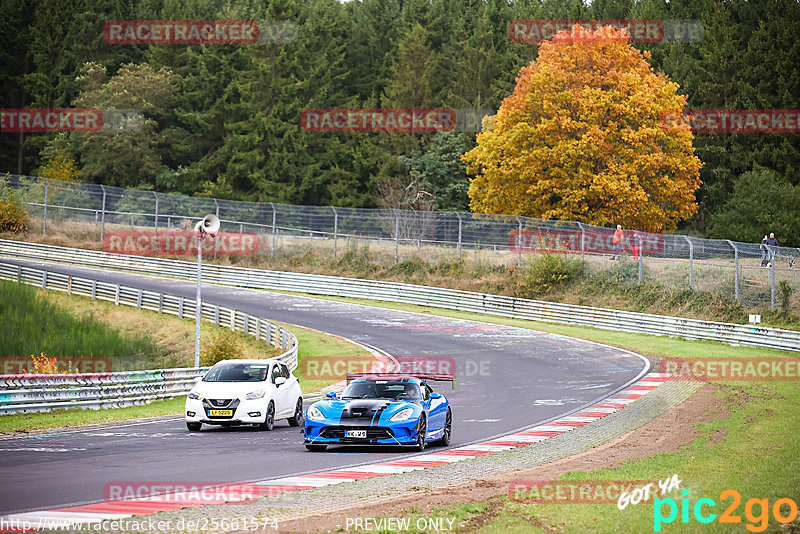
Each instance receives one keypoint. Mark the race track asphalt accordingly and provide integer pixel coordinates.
(508, 379)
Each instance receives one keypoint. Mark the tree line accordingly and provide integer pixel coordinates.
(224, 120)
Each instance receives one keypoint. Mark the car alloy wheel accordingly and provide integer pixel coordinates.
(269, 420)
(420, 446)
(445, 440)
(297, 418)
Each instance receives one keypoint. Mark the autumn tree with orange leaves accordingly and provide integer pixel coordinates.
(582, 138)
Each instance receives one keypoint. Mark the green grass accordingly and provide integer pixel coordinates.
(757, 457)
(69, 418)
(32, 325)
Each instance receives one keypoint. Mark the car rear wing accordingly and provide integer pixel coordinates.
(390, 376)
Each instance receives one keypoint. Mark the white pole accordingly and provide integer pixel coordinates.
(198, 302)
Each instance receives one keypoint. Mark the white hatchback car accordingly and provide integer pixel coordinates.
(245, 392)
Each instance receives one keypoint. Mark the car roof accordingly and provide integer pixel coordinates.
(408, 378)
(262, 361)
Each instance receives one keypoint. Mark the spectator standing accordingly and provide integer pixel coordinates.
(616, 242)
(772, 245)
(764, 252)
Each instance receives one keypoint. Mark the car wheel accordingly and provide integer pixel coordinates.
(269, 419)
(420, 446)
(448, 423)
(316, 448)
(194, 427)
(297, 418)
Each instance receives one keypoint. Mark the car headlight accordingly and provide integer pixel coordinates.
(315, 413)
(194, 396)
(402, 415)
(255, 394)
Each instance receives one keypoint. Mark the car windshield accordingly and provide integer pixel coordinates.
(382, 389)
(237, 372)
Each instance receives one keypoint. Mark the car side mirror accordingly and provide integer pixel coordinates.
(331, 395)
(436, 396)
(280, 380)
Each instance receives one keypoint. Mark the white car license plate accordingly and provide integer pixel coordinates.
(355, 434)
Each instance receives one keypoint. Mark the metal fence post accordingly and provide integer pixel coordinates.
(735, 269)
(639, 238)
(691, 263)
(396, 236)
(272, 246)
(583, 247)
(772, 283)
(103, 216)
(519, 241)
(335, 228)
(459, 236)
(216, 212)
(44, 212)
(155, 220)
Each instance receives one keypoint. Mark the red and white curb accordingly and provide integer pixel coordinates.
(110, 510)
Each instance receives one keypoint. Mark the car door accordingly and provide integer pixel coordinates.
(437, 411)
(281, 393)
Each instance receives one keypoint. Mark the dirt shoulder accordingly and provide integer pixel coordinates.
(667, 433)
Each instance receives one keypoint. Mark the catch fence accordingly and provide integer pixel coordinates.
(728, 268)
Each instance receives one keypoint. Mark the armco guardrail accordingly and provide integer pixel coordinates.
(735, 334)
(32, 393)
(42, 393)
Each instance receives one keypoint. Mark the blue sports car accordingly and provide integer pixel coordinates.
(381, 409)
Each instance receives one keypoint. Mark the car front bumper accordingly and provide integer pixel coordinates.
(334, 433)
(246, 412)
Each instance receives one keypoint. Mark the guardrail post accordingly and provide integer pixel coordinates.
(519, 241)
(396, 236)
(216, 315)
(103, 215)
(116, 296)
(272, 247)
(233, 320)
(246, 323)
(772, 283)
(155, 220)
(44, 211)
(69, 285)
(44, 279)
(94, 289)
(460, 224)
(180, 307)
(735, 269)
(335, 229)
(19, 274)
(691, 263)
(139, 300)
(161, 303)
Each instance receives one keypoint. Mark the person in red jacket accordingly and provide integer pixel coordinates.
(616, 242)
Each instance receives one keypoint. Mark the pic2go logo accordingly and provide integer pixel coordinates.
(757, 522)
